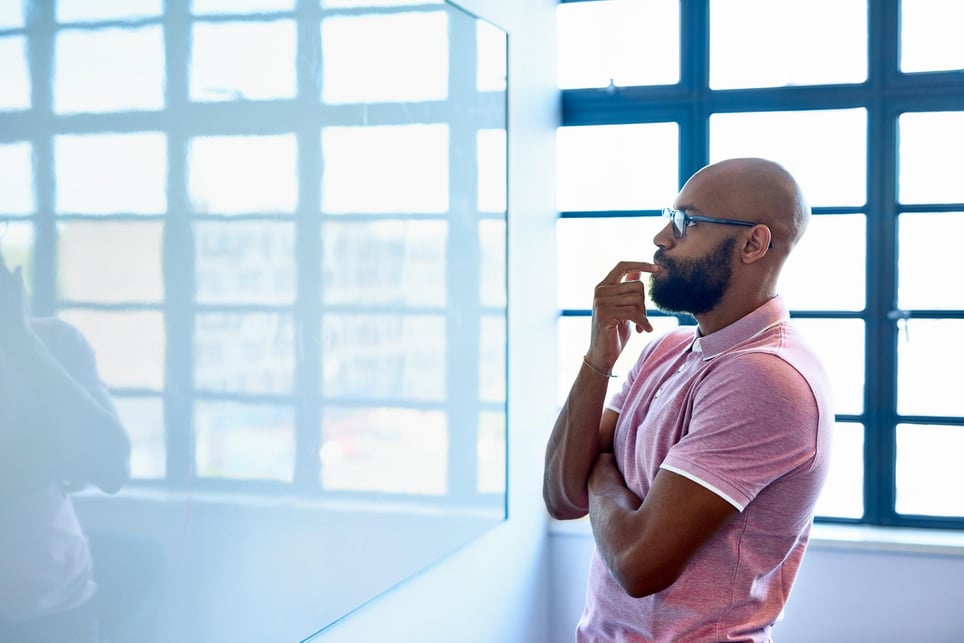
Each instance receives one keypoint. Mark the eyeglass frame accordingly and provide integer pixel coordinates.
(679, 231)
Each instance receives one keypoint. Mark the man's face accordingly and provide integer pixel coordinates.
(693, 286)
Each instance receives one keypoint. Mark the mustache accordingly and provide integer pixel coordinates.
(660, 257)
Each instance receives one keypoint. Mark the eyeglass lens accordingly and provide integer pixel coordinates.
(679, 223)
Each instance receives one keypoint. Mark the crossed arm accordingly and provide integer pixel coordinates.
(83, 439)
(87, 440)
(645, 542)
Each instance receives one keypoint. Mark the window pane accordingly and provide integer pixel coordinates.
(111, 173)
(349, 4)
(14, 74)
(492, 62)
(587, 249)
(616, 167)
(810, 282)
(385, 57)
(244, 441)
(925, 348)
(929, 248)
(109, 261)
(573, 334)
(929, 472)
(143, 417)
(243, 174)
(492, 238)
(742, 55)
(129, 345)
(243, 61)
(930, 35)
(383, 356)
(369, 263)
(109, 70)
(16, 179)
(492, 367)
(391, 450)
(244, 352)
(385, 169)
(492, 169)
(245, 262)
(491, 453)
(928, 153)
(85, 10)
(825, 150)
(11, 15)
(626, 41)
(17, 248)
(843, 493)
(202, 7)
(840, 345)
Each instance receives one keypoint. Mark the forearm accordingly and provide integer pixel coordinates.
(614, 515)
(611, 506)
(574, 445)
(88, 441)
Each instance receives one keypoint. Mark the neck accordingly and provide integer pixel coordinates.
(729, 311)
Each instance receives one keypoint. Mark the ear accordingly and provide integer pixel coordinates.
(757, 244)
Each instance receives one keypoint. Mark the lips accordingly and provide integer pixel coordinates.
(660, 260)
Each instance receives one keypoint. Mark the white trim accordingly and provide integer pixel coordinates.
(946, 542)
(704, 484)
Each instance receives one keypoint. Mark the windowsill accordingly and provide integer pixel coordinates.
(253, 500)
(942, 542)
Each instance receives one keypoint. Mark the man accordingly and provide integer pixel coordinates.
(701, 475)
(58, 428)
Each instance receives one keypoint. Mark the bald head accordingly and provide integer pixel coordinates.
(753, 189)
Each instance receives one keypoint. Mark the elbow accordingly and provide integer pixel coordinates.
(562, 508)
(567, 513)
(111, 482)
(115, 470)
(112, 478)
(639, 579)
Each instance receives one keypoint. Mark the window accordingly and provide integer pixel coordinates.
(871, 125)
(265, 252)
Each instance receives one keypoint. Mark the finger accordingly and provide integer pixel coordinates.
(624, 268)
(633, 313)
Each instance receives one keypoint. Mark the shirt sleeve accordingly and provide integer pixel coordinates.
(619, 399)
(754, 420)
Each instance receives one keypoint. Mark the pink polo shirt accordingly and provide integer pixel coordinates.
(746, 413)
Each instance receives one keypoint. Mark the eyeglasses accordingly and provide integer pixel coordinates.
(681, 220)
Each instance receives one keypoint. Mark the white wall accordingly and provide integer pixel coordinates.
(841, 595)
(494, 590)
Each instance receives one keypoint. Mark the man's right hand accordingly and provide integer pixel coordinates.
(619, 305)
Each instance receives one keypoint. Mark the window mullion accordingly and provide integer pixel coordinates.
(695, 78)
(178, 256)
(881, 340)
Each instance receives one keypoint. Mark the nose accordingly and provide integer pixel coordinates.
(665, 237)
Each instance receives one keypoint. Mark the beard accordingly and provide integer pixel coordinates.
(693, 286)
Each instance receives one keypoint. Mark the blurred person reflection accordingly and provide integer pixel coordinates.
(59, 431)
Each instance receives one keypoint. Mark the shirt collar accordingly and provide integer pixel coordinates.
(770, 314)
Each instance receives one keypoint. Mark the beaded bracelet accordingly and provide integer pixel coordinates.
(594, 369)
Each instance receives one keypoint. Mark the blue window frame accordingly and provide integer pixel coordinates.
(876, 140)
